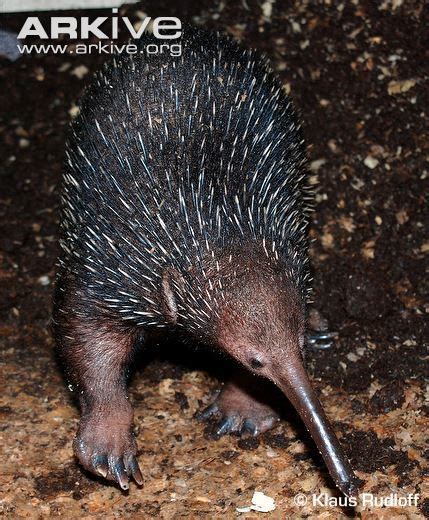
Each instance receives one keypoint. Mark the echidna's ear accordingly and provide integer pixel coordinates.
(168, 296)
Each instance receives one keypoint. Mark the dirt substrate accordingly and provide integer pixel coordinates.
(356, 70)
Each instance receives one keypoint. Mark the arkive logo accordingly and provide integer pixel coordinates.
(162, 27)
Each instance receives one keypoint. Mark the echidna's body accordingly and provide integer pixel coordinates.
(175, 165)
(184, 199)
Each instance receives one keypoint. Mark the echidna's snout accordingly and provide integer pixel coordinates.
(291, 377)
(285, 369)
(267, 339)
(261, 323)
(293, 380)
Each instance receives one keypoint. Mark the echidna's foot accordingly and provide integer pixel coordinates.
(318, 336)
(236, 410)
(105, 445)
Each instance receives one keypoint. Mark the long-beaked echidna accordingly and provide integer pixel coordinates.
(185, 204)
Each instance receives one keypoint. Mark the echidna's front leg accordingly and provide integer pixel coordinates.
(245, 405)
(96, 357)
(105, 443)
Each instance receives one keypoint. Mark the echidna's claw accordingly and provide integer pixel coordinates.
(100, 464)
(134, 469)
(117, 468)
(229, 424)
(207, 413)
(250, 427)
(321, 340)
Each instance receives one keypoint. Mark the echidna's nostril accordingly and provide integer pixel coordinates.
(256, 363)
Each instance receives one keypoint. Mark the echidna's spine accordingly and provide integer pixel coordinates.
(176, 161)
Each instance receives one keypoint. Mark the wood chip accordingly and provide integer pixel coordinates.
(262, 503)
(80, 72)
(371, 162)
(399, 87)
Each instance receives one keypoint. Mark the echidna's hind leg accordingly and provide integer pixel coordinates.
(96, 354)
(244, 406)
(319, 337)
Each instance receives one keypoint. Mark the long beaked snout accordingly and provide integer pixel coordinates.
(295, 384)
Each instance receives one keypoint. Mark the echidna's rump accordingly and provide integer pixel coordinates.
(185, 204)
(172, 159)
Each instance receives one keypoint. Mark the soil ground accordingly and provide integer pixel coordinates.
(357, 71)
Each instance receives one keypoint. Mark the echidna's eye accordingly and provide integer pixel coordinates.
(255, 363)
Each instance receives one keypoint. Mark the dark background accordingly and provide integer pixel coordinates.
(357, 72)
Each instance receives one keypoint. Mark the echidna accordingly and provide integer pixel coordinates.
(185, 204)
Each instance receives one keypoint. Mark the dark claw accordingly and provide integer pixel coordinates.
(323, 346)
(315, 345)
(227, 425)
(321, 340)
(250, 427)
(320, 335)
(135, 471)
(119, 474)
(208, 412)
(100, 464)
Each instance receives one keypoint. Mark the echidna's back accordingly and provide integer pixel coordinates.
(173, 156)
